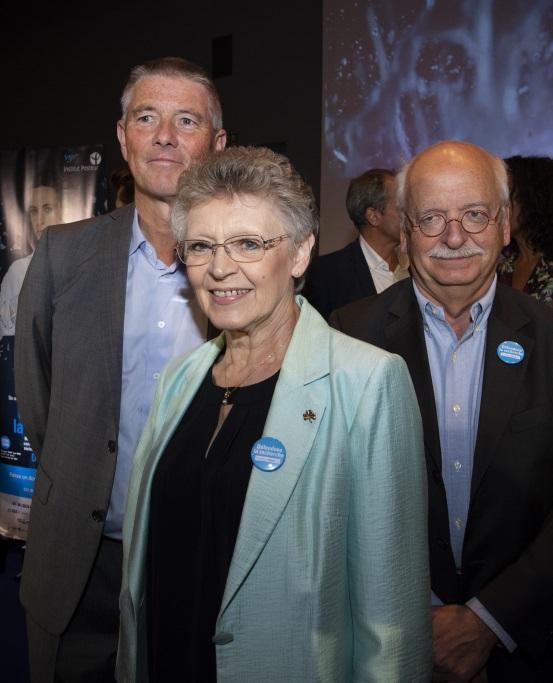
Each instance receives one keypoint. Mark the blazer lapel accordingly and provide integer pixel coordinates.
(173, 404)
(501, 382)
(361, 272)
(405, 336)
(114, 251)
(298, 390)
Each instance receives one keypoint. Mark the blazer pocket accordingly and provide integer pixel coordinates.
(42, 487)
(531, 418)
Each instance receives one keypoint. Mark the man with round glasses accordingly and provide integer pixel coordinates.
(481, 359)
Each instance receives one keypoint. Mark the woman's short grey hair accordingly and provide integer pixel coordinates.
(175, 67)
(254, 171)
(499, 168)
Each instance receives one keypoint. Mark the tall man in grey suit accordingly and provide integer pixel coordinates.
(103, 307)
(481, 358)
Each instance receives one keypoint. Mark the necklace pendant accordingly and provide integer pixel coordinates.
(226, 397)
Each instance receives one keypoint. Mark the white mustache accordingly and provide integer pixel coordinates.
(444, 252)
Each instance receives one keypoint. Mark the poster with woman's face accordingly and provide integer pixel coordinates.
(38, 188)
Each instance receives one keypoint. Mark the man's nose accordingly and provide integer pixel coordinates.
(166, 134)
(454, 235)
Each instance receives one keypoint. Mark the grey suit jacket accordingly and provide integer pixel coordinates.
(68, 358)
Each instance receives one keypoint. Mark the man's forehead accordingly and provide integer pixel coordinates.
(168, 87)
(467, 180)
(157, 91)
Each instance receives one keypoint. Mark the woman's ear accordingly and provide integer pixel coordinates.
(302, 256)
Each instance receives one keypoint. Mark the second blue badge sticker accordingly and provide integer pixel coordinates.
(510, 352)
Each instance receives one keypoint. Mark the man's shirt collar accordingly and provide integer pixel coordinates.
(479, 311)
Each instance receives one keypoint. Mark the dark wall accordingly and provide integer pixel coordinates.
(64, 66)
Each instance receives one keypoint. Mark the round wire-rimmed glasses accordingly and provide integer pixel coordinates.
(472, 221)
(241, 248)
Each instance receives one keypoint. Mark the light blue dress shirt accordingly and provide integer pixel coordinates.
(457, 367)
(162, 320)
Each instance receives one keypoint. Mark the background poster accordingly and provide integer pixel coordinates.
(38, 187)
(399, 75)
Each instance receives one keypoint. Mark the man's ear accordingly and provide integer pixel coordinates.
(404, 240)
(372, 217)
(121, 136)
(220, 140)
(506, 225)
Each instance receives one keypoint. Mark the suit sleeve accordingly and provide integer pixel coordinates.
(33, 345)
(520, 597)
(388, 554)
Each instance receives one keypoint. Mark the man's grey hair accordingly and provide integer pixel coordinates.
(499, 168)
(175, 67)
(257, 171)
(365, 192)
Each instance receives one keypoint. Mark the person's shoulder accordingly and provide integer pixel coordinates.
(178, 370)
(370, 307)
(121, 218)
(329, 261)
(353, 350)
(79, 241)
(357, 366)
(18, 266)
(509, 301)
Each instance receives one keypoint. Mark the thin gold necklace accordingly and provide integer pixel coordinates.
(230, 390)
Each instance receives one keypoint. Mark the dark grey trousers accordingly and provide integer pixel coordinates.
(86, 651)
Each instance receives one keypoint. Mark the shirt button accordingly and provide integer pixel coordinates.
(458, 522)
(156, 375)
(161, 323)
(457, 465)
(456, 408)
(454, 356)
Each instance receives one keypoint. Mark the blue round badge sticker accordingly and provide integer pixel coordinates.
(510, 352)
(268, 454)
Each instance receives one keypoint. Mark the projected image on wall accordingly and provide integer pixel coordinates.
(400, 75)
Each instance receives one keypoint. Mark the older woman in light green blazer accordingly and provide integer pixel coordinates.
(328, 578)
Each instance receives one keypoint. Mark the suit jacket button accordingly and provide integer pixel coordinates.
(98, 515)
(111, 446)
(222, 638)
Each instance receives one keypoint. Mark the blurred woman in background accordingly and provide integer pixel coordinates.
(528, 262)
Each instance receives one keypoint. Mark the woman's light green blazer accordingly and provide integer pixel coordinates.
(329, 577)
